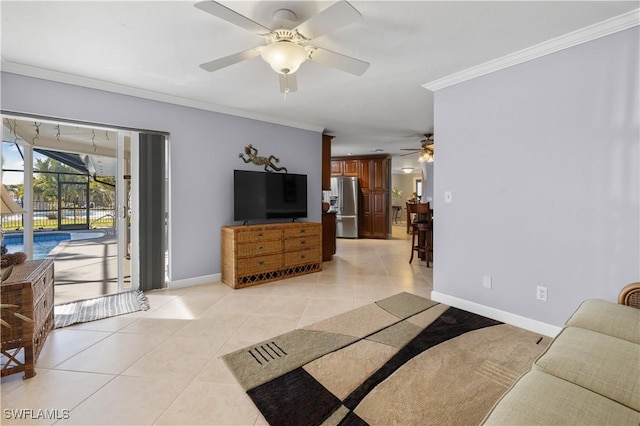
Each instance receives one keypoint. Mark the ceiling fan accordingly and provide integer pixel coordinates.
(425, 151)
(287, 46)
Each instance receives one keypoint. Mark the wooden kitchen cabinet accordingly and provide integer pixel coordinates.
(374, 175)
(350, 168)
(327, 169)
(328, 236)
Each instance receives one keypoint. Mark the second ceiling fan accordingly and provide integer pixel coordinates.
(288, 48)
(426, 150)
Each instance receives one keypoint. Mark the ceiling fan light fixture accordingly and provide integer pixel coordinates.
(407, 169)
(426, 157)
(283, 56)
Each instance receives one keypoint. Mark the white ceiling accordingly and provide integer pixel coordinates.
(157, 46)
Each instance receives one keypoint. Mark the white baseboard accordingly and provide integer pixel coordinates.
(190, 282)
(497, 314)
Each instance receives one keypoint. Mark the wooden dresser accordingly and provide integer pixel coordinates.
(256, 254)
(30, 287)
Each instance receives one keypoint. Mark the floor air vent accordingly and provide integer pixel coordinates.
(266, 353)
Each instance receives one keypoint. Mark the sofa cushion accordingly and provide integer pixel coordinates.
(542, 399)
(603, 364)
(608, 318)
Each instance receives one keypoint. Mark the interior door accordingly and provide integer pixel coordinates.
(127, 202)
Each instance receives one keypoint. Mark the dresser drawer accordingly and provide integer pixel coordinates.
(302, 231)
(259, 249)
(259, 264)
(41, 283)
(302, 257)
(258, 235)
(301, 243)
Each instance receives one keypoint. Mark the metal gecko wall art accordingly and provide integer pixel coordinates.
(253, 157)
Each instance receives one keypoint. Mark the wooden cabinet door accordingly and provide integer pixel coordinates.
(364, 217)
(337, 168)
(380, 175)
(380, 214)
(326, 162)
(328, 236)
(351, 168)
(364, 175)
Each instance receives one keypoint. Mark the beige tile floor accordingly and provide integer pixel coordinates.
(162, 366)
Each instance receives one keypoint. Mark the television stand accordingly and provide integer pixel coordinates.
(256, 254)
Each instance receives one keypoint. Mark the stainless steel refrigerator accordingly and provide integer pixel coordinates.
(345, 190)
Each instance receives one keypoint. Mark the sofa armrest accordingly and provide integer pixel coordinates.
(630, 295)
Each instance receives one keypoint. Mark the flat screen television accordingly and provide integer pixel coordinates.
(266, 195)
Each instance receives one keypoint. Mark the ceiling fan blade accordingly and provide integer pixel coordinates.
(410, 153)
(223, 12)
(330, 19)
(336, 60)
(288, 83)
(217, 64)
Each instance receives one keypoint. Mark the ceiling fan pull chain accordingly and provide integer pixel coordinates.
(286, 85)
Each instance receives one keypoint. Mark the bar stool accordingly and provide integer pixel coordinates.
(422, 228)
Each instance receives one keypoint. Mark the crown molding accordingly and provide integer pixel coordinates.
(583, 35)
(60, 77)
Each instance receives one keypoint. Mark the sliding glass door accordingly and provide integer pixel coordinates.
(99, 192)
(127, 202)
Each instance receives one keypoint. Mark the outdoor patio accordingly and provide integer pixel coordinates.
(86, 268)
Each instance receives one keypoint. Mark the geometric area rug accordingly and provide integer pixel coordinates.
(99, 308)
(403, 360)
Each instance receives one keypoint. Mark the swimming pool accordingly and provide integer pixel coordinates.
(44, 242)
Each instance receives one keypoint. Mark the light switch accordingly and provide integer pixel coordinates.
(447, 196)
(486, 281)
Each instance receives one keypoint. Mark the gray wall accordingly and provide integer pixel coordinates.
(427, 185)
(404, 182)
(543, 163)
(204, 148)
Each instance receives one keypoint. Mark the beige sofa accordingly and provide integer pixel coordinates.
(589, 375)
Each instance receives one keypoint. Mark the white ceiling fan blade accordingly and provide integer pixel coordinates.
(217, 64)
(223, 12)
(335, 16)
(288, 83)
(336, 60)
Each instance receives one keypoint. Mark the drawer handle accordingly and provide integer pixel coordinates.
(302, 242)
(259, 234)
(302, 231)
(302, 256)
(260, 247)
(261, 262)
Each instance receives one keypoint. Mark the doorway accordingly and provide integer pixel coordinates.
(97, 210)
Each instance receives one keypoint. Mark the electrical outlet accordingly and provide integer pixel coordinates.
(541, 293)
(486, 281)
